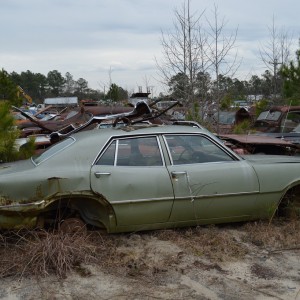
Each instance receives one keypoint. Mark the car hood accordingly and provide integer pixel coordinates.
(271, 159)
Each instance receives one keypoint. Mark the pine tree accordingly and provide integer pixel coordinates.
(8, 132)
(291, 75)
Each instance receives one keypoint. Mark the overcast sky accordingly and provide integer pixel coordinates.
(90, 37)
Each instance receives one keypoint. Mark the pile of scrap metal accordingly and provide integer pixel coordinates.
(49, 131)
(275, 131)
(52, 121)
(64, 124)
(255, 144)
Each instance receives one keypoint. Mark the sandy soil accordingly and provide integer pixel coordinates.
(169, 266)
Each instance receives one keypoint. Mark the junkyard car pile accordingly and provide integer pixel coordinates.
(275, 131)
(141, 177)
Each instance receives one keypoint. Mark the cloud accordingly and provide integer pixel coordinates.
(90, 37)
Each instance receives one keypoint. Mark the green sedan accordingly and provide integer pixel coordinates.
(145, 177)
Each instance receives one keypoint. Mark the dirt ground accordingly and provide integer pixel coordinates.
(241, 261)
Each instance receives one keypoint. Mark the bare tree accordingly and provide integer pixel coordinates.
(220, 52)
(181, 51)
(276, 52)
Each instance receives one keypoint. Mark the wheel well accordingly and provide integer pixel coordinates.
(92, 211)
(290, 204)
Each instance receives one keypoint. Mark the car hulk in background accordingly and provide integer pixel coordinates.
(145, 177)
(280, 122)
(279, 119)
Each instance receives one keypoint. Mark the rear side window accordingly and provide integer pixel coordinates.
(140, 151)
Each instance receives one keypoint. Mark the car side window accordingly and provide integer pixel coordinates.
(194, 149)
(108, 157)
(142, 151)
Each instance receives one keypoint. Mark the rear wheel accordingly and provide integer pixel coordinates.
(62, 219)
(72, 226)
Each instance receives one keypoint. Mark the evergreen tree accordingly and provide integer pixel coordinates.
(8, 132)
(291, 75)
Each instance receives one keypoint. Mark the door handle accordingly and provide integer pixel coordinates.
(99, 174)
(178, 173)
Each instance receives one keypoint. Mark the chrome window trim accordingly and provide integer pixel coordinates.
(141, 136)
(103, 149)
(232, 155)
(117, 139)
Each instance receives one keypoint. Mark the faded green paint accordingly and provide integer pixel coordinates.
(139, 198)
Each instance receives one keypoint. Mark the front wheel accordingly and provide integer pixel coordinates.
(290, 204)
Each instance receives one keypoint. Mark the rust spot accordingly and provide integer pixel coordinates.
(54, 183)
(55, 178)
(5, 201)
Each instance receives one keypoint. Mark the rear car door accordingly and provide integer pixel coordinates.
(132, 176)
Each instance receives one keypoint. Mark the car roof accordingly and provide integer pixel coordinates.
(106, 133)
(89, 143)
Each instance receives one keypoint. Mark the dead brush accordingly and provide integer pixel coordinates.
(41, 253)
(276, 235)
(210, 242)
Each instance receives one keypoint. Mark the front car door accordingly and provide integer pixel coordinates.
(132, 176)
(209, 183)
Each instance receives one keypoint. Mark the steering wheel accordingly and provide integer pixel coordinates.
(197, 157)
(181, 159)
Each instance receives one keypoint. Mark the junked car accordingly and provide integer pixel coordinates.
(145, 177)
(225, 121)
(278, 119)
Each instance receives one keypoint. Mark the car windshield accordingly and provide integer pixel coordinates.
(296, 129)
(226, 117)
(270, 116)
(38, 159)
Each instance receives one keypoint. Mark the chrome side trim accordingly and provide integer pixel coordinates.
(217, 195)
(141, 200)
(22, 204)
(183, 198)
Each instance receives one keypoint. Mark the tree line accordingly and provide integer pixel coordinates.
(39, 86)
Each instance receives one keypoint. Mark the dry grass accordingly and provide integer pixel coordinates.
(212, 242)
(41, 253)
(231, 242)
(274, 236)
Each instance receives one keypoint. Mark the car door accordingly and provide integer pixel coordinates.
(208, 182)
(132, 176)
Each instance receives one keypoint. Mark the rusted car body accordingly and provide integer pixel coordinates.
(278, 119)
(35, 126)
(100, 117)
(228, 119)
(276, 131)
(145, 177)
(259, 144)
